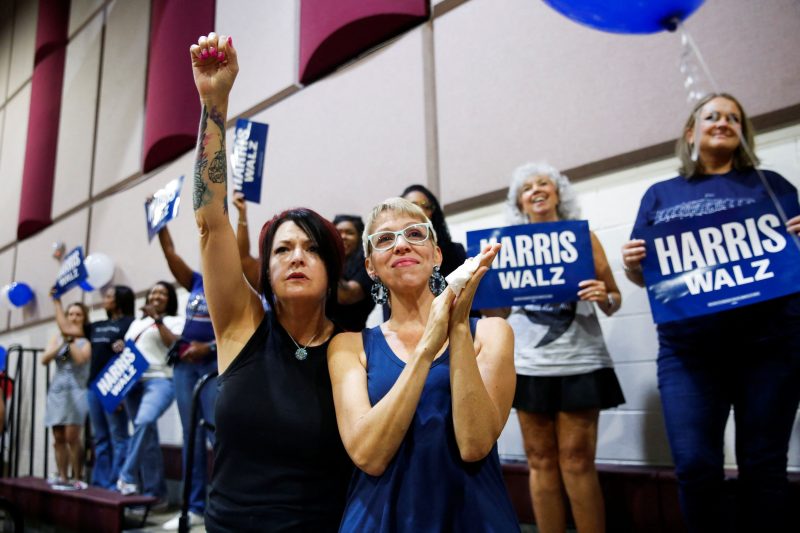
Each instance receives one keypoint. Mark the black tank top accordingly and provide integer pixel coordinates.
(279, 463)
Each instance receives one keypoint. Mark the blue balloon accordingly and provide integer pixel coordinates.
(85, 285)
(19, 294)
(627, 16)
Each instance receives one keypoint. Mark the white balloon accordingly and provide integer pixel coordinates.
(99, 269)
(4, 301)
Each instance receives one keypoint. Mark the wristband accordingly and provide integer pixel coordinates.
(158, 321)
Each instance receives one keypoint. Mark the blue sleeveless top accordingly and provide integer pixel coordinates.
(426, 486)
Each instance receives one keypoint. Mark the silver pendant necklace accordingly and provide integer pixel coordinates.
(301, 353)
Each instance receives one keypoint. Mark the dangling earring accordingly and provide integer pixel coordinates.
(379, 292)
(437, 284)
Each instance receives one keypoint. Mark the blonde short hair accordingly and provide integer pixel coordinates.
(397, 206)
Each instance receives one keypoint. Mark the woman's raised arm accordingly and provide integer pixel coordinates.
(235, 310)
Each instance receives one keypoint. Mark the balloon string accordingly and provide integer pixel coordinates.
(691, 48)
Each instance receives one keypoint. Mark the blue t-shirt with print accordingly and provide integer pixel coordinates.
(681, 198)
(198, 322)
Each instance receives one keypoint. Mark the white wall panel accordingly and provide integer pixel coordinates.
(12, 161)
(76, 126)
(120, 120)
(6, 32)
(638, 381)
(23, 44)
(516, 80)
(119, 230)
(633, 437)
(36, 267)
(350, 140)
(267, 57)
(80, 11)
(630, 338)
(6, 277)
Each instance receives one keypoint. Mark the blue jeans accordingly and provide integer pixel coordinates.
(186, 375)
(144, 465)
(110, 434)
(698, 388)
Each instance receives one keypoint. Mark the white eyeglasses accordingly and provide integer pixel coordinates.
(413, 234)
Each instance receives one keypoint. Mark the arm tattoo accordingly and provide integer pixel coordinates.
(218, 119)
(202, 195)
(218, 169)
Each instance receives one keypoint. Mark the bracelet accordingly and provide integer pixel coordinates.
(626, 268)
(611, 301)
(243, 223)
(158, 321)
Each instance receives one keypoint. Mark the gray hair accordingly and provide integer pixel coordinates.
(398, 206)
(567, 208)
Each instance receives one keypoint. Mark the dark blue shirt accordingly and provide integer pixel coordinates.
(198, 322)
(681, 198)
(426, 486)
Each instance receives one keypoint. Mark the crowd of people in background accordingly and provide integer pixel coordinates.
(324, 425)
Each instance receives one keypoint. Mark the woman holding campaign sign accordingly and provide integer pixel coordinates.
(565, 375)
(151, 335)
(748, 356)
(66, 397)
(279, 463)
(422, 398)
(109, 429)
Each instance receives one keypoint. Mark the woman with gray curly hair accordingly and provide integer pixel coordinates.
(564, 372)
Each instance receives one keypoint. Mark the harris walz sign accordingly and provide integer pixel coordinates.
(719, 261)
(537, 263)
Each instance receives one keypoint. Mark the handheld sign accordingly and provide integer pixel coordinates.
(119, 376)
(707, 264)
(247, 158)
(71, 273)
(538, 263)
(163, 207)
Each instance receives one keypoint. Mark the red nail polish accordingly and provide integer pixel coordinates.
(212, 51)
(221, 56)
(230, 41)
(204, 54)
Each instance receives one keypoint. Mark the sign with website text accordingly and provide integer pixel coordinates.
(247, 158)
(163, 207)
(71, 273)
(537, 263)
(119, 376)
(702, 265)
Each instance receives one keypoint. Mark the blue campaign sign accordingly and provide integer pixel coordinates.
(538, 263)
(163, 207)
(247, 159)
(119, 376)
(719, 261)
(71, 273)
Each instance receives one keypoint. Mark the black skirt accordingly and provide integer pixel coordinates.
(595, 390)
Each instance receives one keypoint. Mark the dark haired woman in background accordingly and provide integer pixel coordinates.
(279, 463)
(747, 358)
(66, 406)
(109, 430)
(453, 253)
(153, 334)
(354, 303)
